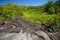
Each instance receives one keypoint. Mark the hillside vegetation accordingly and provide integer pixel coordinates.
(49, 12)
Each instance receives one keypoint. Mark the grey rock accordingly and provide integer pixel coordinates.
(38, 35)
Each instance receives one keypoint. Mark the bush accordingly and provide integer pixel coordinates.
(1, 18)
(39, 19)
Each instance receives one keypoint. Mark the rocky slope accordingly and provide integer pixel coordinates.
(17, 29)
(38, 35)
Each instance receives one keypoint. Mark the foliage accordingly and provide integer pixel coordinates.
(36, 14)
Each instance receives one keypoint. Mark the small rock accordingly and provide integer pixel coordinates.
(1, 28)
(14, 26)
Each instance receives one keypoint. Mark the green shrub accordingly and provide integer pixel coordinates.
(39, 19)
(1, 18)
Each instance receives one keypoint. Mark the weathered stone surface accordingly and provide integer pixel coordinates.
(14, 25)
(17, 29)
(39, 35)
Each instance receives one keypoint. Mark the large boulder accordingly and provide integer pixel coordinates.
(38, 35)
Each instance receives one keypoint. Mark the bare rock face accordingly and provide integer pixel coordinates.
(17, 29)
(38, 35)
(15, 25)
(47, 27)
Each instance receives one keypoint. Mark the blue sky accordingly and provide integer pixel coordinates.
(25, 2)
